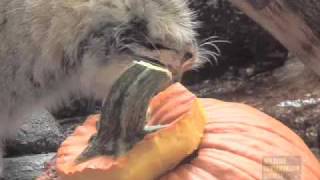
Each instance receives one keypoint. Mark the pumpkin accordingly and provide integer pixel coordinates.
(159, 150)
(241, 142)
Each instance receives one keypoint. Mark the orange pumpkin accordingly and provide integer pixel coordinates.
(155, 154)
(241, 142)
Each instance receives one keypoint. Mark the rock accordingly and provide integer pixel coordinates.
(316, 151)
(25, 167)
(40, 134)
(76, 106)
(68, 125)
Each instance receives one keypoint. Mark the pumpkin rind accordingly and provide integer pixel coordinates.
(237, 137)
(155, 154)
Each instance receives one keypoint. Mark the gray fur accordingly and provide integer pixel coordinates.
(50, 48)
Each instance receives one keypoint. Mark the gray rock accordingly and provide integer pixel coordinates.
(40, 134)
(25, 167)
(76, 106)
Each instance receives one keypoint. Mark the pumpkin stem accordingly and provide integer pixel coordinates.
(124, 111)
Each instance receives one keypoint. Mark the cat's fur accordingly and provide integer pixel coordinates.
(49, 48)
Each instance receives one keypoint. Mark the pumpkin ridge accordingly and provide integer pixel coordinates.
(225, 159)
(188, 174)
(220, 169)
(255, 167)
(234, 143)
(243, 131)
(231, 148)
(205, 174)
(299, 145)
(243, 137)
(297, 149)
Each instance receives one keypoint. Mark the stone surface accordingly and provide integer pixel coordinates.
(25, 167)
(39, 134)
(76, 106)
